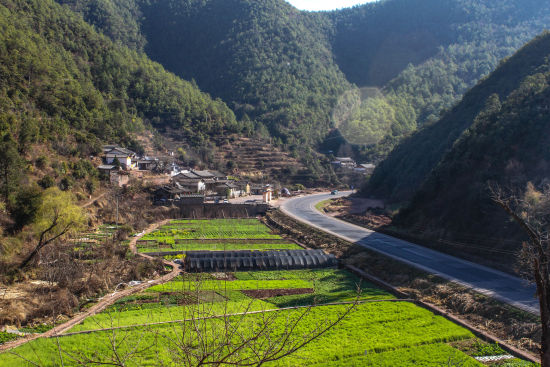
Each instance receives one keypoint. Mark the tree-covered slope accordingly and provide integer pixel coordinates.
(66, 89)
(265, 58)
(399, 176)
(425, 55)
(507, 143)
(282, 67)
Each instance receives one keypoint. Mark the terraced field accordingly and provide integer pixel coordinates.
(379, 331)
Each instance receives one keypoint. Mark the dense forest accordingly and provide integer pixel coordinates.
(399, 176)
(65, 90)
(294, 72)
(505, 141)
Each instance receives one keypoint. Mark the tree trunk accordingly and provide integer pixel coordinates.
(544, 304)
(31, 256)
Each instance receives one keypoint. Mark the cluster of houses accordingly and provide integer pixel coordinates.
(347, 163)
(118, 161)
(186, 184)
(115, 157)
(194, 187)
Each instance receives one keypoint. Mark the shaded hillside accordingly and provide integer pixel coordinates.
(281, 67)
(399, 176)
(265, 58)
(427, 54)
(507, 143)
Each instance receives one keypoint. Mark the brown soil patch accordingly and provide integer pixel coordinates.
(268, 293)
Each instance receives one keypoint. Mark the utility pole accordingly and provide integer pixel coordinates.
(116, 223)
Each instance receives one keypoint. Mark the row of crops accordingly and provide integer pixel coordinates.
(214, 228)
(149, 327)
(214, 235)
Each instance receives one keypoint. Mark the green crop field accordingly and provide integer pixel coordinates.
(214, 228)
(163, 302)
(370, 330)
(217, 285)
(432, 355)
(197, 246)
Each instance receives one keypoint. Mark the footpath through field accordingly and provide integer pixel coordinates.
(105, 301)
(493, 283)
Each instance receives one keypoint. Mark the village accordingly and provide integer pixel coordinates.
(182, 185)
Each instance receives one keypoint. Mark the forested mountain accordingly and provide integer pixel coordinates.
(65, 90)
(399, 176)
(507, 142)
(289, 69)
(426, 54)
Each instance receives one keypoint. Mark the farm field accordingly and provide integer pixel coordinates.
(371, 329)
(198, 246)
(248, 291)
(379, 331)
(214, 228)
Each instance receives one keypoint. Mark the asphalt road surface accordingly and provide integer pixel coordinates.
(499, 285)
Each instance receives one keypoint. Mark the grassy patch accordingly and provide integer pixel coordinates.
(6, 337)
(322, 204)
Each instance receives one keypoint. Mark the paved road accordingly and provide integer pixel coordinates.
(502, 286)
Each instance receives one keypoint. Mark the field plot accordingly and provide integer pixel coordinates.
(371, 330)
(218, 235)
(380, 331)
(201, 246)
(265, 290)
(214, 228)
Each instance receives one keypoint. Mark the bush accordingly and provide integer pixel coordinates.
(46, 182)
(66, 183)
(41, 162)
(91, 186)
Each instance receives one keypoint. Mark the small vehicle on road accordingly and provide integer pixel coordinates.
(225, 201)
(334, 192)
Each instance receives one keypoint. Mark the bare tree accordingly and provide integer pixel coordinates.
(531, 211)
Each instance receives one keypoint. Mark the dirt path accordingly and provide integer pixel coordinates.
(105, 301)
(93, 200)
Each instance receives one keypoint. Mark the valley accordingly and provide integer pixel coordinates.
(174, 175)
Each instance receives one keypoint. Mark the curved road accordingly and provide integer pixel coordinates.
(494, 283)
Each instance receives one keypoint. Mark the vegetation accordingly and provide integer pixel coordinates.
(58, 216)
(391, 326)
(506, 128)
(211, 229)
(280, 68)
(65, 90)
(399, 176)
(221, 247)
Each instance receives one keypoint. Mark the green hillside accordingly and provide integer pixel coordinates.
(288, 69)
(65, 90)
(507, 142)
(424, 55)
(398, 177)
